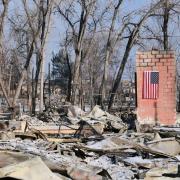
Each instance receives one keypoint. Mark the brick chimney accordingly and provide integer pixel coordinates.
(156, 87)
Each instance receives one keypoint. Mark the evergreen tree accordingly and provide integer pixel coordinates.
(61, 70)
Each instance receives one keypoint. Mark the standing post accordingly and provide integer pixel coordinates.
(42, 84)
(9, 83)
(53, 79)
(33, 101)
(49, 84)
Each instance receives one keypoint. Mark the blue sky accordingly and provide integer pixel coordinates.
(58, 24)
(57, 28)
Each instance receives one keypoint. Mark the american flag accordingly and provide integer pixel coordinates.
(150, 84)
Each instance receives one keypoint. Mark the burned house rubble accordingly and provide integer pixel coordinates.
(89, 89)
(65, 142)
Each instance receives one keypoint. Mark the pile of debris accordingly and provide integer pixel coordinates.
(71, 144)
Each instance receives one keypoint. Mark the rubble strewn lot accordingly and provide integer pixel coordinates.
(70, 144)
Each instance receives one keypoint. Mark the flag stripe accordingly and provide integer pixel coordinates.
(150, 84)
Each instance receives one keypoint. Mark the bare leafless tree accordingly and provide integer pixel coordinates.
(2, 19)
(130, 43)
(78, 35)
(35, 29)
(44, 15)
(109, 50)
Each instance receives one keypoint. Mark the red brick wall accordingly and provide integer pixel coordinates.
(163, 109)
